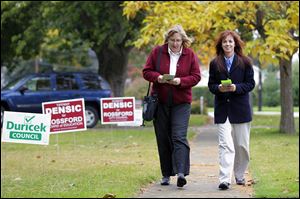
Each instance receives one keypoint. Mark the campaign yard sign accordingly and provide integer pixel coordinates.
(27, 128)
(138, 119)
(66, 115)
(117, 109)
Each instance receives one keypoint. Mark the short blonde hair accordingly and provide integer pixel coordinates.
(186, 41)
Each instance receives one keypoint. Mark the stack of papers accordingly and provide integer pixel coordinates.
(226, 82)
(168, 77)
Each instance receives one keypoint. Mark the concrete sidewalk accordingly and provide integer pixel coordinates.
(203, 179)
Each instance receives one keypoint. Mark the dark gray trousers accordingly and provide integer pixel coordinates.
(171, 124)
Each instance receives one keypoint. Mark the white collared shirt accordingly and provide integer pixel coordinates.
(174, 57)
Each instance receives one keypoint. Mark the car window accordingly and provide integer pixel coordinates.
(104, 84)
(91, 82)
(13, 83)
(66, 82)
(94, 82)
(39, 84)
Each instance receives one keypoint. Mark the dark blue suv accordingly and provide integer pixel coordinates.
(28, 93)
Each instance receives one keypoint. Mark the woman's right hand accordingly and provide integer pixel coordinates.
(227, 88)
(160, 79)
(223, 88)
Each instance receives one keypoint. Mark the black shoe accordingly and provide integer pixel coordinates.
(181, 181)
(165, 180)
(224, 186)
(240, 182)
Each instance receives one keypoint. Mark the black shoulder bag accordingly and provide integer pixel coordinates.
(150, 103)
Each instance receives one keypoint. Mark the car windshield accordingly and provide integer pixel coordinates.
(12, 83)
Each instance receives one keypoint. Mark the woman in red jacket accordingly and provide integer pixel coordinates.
(175, 96)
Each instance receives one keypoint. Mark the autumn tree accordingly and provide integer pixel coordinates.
(270, 30)
(278, 26)
(26, 26)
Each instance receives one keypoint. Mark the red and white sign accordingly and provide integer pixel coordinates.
(66, 115)
(117, 109)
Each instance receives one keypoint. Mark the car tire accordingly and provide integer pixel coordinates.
(91, 116)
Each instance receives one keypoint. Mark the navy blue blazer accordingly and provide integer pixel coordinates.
(234, 105)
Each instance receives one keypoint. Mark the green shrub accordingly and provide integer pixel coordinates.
(295, 77)
(195, 107)
(271, 87)
(203, 91)
(271, 90)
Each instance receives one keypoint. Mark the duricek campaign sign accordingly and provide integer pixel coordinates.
(66, 115)
(27, 128)
(117, 110)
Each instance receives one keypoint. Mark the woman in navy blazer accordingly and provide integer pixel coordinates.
(232, 111)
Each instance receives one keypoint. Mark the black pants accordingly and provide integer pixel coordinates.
(171, 124)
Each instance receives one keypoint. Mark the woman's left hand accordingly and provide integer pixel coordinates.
(231, 88)
(175, 81)
(227, 88)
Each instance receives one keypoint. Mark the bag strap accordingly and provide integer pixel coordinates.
(157, 67)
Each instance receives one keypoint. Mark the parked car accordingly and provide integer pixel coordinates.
(28, 93)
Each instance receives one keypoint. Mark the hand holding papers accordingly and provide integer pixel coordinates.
(227, 86)
(226, 82)
(168, 77)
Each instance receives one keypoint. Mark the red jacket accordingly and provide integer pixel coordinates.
(188, 70)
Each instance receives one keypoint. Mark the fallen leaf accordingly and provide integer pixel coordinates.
(109, 195)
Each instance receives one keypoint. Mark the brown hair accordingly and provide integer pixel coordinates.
(186, 41)
(238, 49)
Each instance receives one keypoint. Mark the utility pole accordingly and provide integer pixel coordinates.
(259, 88)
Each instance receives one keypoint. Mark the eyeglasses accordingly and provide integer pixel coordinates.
(175, 40)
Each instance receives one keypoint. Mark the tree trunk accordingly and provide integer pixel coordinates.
(287, 124)
(113, 67)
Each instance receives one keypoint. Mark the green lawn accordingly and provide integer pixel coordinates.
(274, 161)
(270, 121)
(85, 164)
(82, 164)
(121, 161)
(276, 108)
(264, 108)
